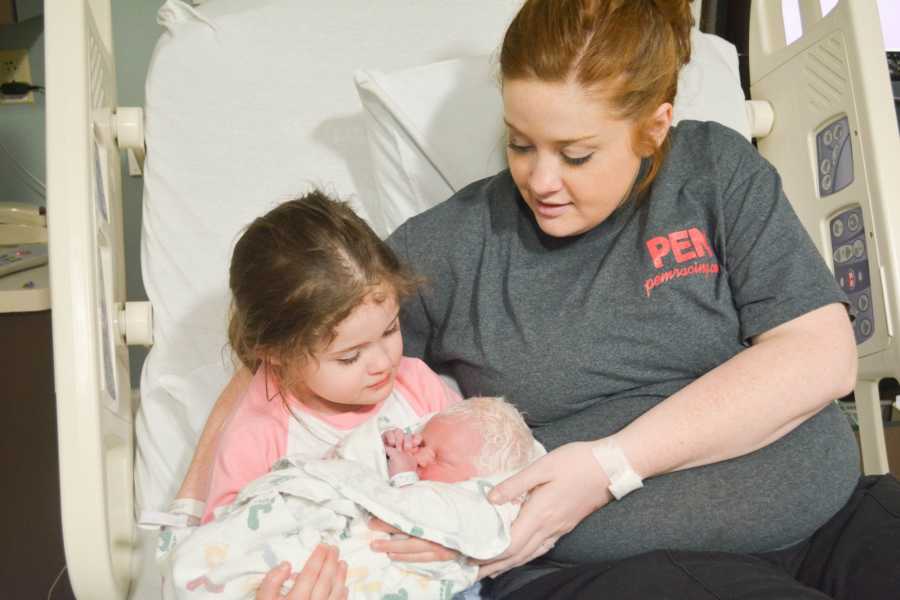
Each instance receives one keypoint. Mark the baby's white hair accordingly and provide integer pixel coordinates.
(507, 442)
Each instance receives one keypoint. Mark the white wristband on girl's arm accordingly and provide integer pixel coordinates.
(622, 477)
(183, 512)
(194, 509)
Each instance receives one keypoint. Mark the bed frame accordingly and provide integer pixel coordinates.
(94, 408)
(833, 80)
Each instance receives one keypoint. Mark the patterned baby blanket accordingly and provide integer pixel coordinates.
(283, 515)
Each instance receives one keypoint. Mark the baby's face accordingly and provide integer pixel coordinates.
(449, 451)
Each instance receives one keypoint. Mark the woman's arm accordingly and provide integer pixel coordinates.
(197, 480)
(789, 374)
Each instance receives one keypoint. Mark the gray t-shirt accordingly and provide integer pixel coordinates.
(586, 333)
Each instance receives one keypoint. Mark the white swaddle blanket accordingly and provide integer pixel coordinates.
(283, 515)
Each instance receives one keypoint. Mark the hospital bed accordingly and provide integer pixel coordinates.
(393, 105)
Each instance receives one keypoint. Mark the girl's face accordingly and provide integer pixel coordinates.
(571, 160)
(358, 367)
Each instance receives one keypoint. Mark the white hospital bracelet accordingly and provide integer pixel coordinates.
(622, 478)
(194, 509)
(154, 520)
(405, 478)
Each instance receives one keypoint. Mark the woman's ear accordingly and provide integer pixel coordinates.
(659, 122)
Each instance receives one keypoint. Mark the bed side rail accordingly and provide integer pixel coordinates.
(89, 312)
(834, 141)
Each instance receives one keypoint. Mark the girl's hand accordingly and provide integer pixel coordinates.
(323, 577)
(564, 487)
(408, 549)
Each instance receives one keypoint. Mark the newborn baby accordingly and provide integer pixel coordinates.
(480, 436)
(440, 477)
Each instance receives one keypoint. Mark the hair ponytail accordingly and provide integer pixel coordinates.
(679, 15)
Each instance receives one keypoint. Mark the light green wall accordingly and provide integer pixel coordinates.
(22, 125)
(22, 131)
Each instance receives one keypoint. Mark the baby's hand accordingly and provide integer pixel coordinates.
(400, 448)
(399, 461)
(397, 438)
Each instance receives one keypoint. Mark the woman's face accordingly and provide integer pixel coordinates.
(571, 160)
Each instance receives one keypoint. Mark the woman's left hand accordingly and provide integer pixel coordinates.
(564, 487)
(408, 549)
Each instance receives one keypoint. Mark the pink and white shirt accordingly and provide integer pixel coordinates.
(264, 428)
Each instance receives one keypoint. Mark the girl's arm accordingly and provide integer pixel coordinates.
(789, 374)
(197, 480)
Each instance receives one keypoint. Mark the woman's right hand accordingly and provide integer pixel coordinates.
(323, 577)
(563, 488)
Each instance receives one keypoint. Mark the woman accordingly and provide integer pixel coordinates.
(648, 298)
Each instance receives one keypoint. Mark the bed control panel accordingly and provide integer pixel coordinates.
(834, 152)
(850, 258)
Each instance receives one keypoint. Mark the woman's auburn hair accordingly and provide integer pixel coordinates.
(633, 49)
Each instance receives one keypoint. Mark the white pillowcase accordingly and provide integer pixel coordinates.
(709, 87)
(436, 128)
(431, 130)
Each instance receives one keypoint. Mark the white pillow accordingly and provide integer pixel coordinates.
(431, 130)
(709, 87)
(436, 128)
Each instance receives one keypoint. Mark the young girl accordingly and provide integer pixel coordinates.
(316, 298)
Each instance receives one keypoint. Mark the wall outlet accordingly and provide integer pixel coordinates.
(14, 66)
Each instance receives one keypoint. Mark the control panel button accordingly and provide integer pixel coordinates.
(840, 130)
(865, 327)
(837, 228)
(843, 254)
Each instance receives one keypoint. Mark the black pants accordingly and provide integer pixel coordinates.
(855, 556)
